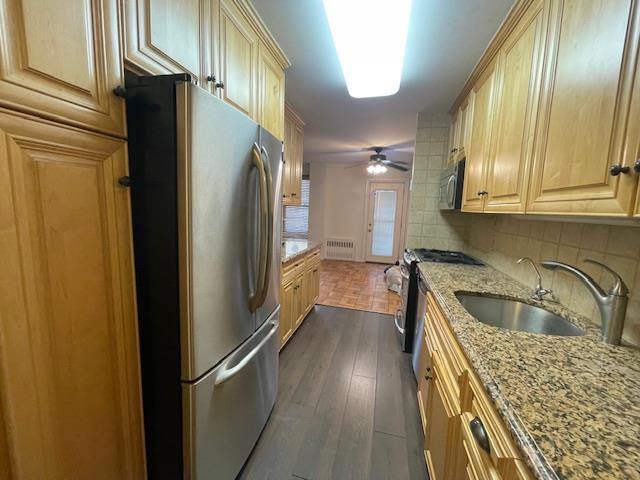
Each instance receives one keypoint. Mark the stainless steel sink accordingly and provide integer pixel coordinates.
(516, 315)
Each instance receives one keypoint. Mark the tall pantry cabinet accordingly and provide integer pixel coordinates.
(69, 374)
(70, 397)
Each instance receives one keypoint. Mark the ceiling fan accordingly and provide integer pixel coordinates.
(378, 163)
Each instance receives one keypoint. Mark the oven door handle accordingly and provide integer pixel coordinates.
(404, 272)
(395, 320)
(422, 286)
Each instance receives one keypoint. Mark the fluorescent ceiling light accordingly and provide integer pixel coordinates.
(370, 37)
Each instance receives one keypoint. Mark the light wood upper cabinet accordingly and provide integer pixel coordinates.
(293, 157)
(459, 133)
(586, 98)
(270, 92)
(61, 60)
(238, 59)
(69, 354)
(164, 36)
(519, 67)
(482, 100)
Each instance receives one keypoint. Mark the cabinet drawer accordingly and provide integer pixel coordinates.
(424, 375)
(488, 465)
(479, 463)
(313, 257)
(450, 347)
(292, 269)
(502, 445)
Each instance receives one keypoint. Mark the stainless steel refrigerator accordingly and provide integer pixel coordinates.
(205, 188)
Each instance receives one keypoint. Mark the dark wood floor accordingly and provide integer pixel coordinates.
(346, 406)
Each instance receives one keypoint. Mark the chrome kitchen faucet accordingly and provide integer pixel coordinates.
(612, 306)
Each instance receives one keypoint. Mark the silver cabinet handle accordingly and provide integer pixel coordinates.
(230, 373)
(480, 434)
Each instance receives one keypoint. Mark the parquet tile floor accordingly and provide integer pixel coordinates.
(356, 285)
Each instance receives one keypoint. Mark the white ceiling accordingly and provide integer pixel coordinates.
(446, 39)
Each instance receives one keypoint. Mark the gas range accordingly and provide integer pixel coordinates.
(444, 256)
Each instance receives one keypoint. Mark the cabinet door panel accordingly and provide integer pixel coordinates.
(586, 94)
(478, 154)
(436, 436)
(70, 353)
(286, 317)
(238, 59)
(271, 93)
(61, 60)
(298, 303)
(294, 152)
(315, 285)
(163, 36)
(508, 172)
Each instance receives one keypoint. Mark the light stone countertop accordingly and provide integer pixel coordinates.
(572, 404)
(294, 247)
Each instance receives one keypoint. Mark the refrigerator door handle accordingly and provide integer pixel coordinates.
(269, 224)
(230, 373)
(257, 298)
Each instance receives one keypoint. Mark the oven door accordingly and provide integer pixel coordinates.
(400, 315)
(448, 192)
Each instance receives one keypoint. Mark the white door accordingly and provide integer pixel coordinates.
(384, 222)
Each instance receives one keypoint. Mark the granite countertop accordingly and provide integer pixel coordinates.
(294, 247)
(572, 404)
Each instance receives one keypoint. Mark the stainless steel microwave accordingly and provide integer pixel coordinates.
(451, 187)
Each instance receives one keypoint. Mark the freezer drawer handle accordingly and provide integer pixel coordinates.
(228, 374)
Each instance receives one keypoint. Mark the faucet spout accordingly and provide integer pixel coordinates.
(612, 306)
(585, 278)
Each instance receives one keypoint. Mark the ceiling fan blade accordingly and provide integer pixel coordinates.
(359, 164)
(397, 166)
(389, 162)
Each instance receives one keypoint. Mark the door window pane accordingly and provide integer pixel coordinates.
(384, 219)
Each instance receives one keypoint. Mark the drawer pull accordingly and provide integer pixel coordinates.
(427, 374)
(480, 434)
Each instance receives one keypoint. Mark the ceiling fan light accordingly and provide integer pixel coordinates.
(371, 169)
(371, 61)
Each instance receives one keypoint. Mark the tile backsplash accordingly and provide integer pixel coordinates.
(500, 240)
(427, 225)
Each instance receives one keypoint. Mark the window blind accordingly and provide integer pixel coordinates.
(296, 217)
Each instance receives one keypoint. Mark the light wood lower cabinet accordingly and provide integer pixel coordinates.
(60, 60)
(299, 292)
(450, 397)
(70, 406)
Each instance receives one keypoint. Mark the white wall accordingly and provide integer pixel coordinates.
(338, 203)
